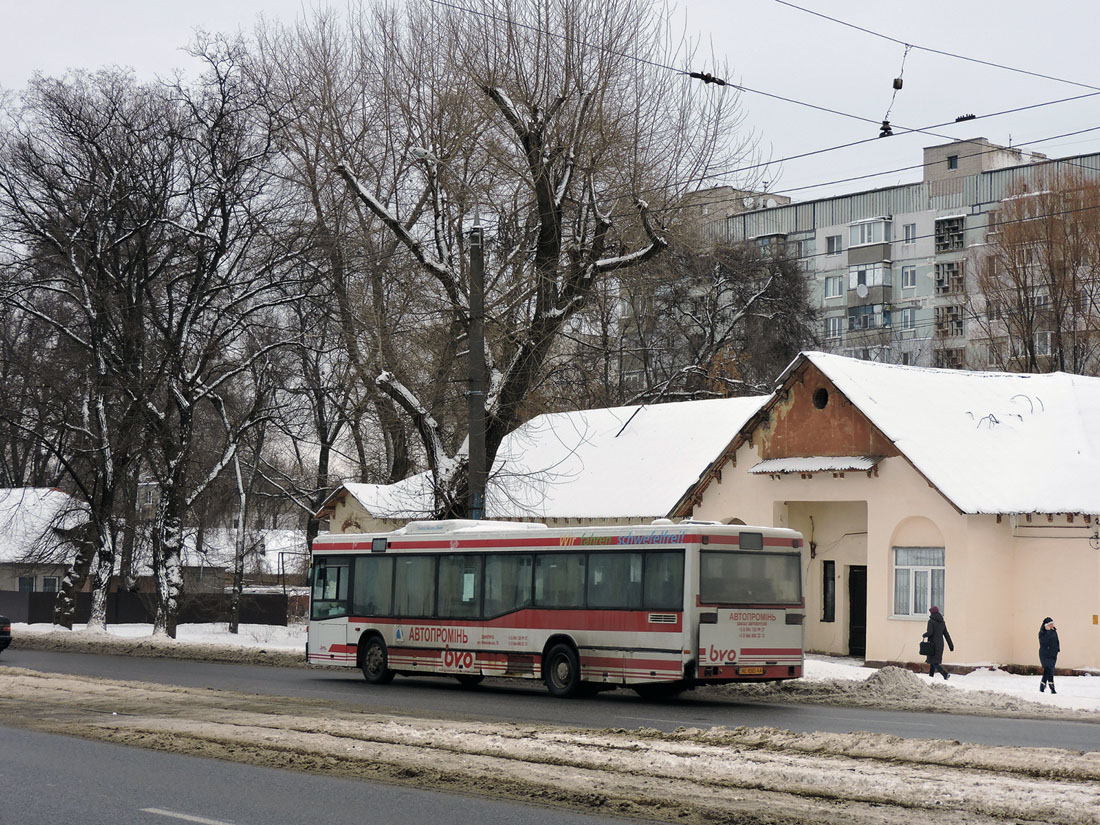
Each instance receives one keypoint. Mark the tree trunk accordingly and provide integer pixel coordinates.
(64, 606)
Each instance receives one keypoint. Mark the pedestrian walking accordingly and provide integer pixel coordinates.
(937, 634)
(1049, 648)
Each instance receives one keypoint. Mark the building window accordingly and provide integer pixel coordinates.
(49, 584)
(949, 233)
(869, 232)
(910, 231)
(834, 327)
(952, 161)
(828, 591)
(949, 359)
(1042, 343)
(869, 316)
(868, 275)
(918, 580)
(832, 245)
(26, 584)
(908, 318)
(834, 286)
(908, 277)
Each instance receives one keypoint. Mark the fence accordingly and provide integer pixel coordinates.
(139, 608)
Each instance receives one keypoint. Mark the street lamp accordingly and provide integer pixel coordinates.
(475, 396)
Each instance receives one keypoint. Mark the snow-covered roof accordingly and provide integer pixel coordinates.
(815, 464)
(28, 514)
(620, 462)
(991, 442)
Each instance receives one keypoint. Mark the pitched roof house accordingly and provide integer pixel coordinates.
(609, 466)
(976, 492)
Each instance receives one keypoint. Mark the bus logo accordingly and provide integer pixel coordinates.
(398, 635)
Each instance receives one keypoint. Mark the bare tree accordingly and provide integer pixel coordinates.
(717, 322)
(560, 125)
(83, 190)
(1038, 297)
(217, 314)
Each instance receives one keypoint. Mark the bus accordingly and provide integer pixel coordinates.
(658, 608)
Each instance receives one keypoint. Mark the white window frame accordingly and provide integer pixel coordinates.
(865, 233)
(916, 571)
(908, 318)
(876, 274)
(834, 326)
(834, 286)
(834, 244)
(910, 232)
(909, 277)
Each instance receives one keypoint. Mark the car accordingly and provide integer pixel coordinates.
(5, 632)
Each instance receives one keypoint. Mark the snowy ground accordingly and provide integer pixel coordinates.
(985, 685)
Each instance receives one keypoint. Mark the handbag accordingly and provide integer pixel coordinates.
(926, 648)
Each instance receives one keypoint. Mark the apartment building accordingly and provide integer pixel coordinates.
(894, 270)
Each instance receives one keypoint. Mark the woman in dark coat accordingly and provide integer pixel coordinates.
(937, 634)
(1048, 653)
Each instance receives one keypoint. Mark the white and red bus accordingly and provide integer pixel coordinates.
(658, 608)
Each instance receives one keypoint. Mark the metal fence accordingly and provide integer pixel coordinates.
(139, 608)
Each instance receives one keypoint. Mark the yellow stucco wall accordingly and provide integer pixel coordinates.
(999, 584)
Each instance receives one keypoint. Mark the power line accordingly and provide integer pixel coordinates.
(941, 52)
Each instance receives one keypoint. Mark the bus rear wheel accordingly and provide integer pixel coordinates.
(376, 663)
(563, 671)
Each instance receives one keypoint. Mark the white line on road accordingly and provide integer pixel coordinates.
(186, 817)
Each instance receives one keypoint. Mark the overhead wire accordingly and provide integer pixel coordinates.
(941, 52)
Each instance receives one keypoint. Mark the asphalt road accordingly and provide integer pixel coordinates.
(48, 779)
(519, 701)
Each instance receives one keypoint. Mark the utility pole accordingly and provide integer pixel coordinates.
(475, 397)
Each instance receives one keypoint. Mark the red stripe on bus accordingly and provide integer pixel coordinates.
(771, 651)
(600, 662)
(562, 542)
(542, 619)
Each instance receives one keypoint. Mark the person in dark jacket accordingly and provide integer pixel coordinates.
(937, 634)
(1048, 653)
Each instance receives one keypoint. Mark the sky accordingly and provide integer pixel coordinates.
(763, 45)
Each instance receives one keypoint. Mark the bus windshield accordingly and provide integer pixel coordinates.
(737, 577)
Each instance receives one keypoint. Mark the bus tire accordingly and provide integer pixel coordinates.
(469, 680)
(563, 671)
(376, 662)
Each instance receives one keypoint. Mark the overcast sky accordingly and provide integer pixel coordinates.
(768, 47)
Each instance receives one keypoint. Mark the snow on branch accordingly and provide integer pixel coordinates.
(428, 427)
(437, 267)
(657, 243)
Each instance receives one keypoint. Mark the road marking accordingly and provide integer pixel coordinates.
(186, 817)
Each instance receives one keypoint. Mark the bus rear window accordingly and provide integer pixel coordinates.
(742, 578)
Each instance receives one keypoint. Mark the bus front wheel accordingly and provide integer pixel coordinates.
(563, 671)
(376, 662)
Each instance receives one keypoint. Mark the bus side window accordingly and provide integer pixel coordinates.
(372, 592)
(459, 586)
(615, 580)
(414, 586)
(664, 581)
(559, 580)
(507, 583)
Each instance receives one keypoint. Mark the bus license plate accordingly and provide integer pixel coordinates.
(750, 671)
